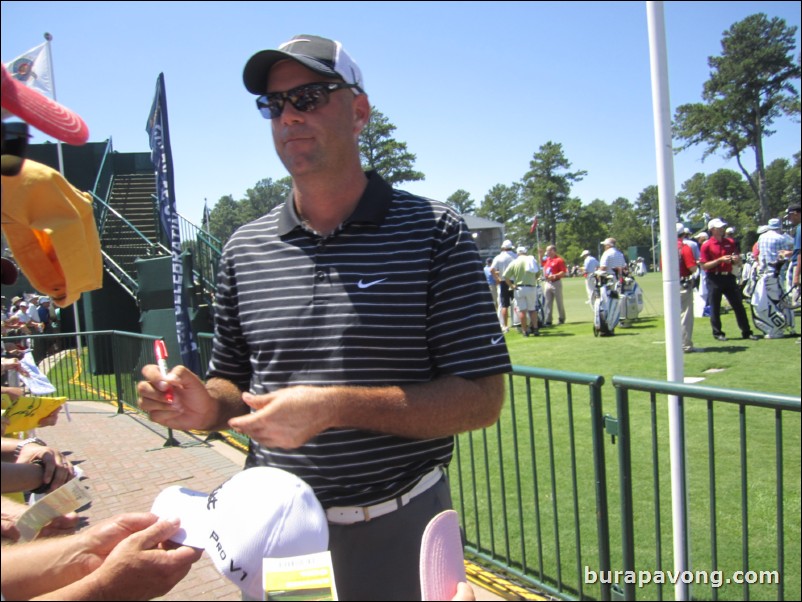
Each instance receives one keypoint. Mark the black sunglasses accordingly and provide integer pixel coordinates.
(304, 98)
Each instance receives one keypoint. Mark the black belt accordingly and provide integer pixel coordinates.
(719, 273)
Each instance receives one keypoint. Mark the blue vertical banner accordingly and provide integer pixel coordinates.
(162, 159)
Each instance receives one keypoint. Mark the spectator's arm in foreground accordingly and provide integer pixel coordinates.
(57, 469)
(119, 559)
(10, 512)
(15, 478)
(9, 363)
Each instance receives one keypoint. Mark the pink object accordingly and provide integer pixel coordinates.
(44, 114)
(442, 563)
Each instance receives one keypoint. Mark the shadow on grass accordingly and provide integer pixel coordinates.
(640, 324)
(549, 332)
(725, 349)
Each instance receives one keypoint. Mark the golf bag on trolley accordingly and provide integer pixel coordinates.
(541, 307)
(541, 304)
(749, 277)
(631, 297)
(773, 307)
(607, 306)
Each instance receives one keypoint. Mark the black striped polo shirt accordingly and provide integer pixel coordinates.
(395, 296)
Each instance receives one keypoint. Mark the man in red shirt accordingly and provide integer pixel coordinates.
(718, 255)
(554, 271)
(687, 268)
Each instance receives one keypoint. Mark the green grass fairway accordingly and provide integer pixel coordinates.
(771, 366)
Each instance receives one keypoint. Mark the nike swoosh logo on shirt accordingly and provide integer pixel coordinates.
(362, 284)
(496, 341)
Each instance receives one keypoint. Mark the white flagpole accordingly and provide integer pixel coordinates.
(49, 38)
(661, 108)
(76, 307)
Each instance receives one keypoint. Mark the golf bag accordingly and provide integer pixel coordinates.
(606, 307)
(541, 307)
(772, 307)
(749, 277)
(631, 297)
(515, 318)
(541, 304)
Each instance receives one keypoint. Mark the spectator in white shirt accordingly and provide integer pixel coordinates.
(613, 260)
(590, 265)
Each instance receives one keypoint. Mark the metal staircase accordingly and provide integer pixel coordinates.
(132, 196)
(123, 187)
(131, 230)
(129, 227)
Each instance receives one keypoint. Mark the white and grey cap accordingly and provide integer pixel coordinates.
(321, 55)
(261, 512)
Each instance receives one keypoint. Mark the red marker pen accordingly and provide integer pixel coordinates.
(160, 350)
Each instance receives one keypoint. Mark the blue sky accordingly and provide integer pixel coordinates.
(474, 88)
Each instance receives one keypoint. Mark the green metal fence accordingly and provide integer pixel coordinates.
(92, 366)
(531, 490)
(741, 466)
(206, 251)
(540, 504)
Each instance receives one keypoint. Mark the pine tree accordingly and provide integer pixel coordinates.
(380, 151)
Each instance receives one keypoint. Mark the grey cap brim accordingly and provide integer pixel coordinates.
(254, 76)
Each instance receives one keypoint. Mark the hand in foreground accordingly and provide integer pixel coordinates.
(98, 541)
(464, 592)
(11, 512)
(191, 408)
(57, 469)
(123, 558)
(141, 566)
(10, 363)
(51, 419)
(286, 418)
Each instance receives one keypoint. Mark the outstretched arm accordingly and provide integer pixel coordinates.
(119, 559)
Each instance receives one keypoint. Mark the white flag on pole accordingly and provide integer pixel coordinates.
(33, 69)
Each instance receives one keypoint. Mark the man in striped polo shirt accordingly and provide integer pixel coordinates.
(354, 331)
